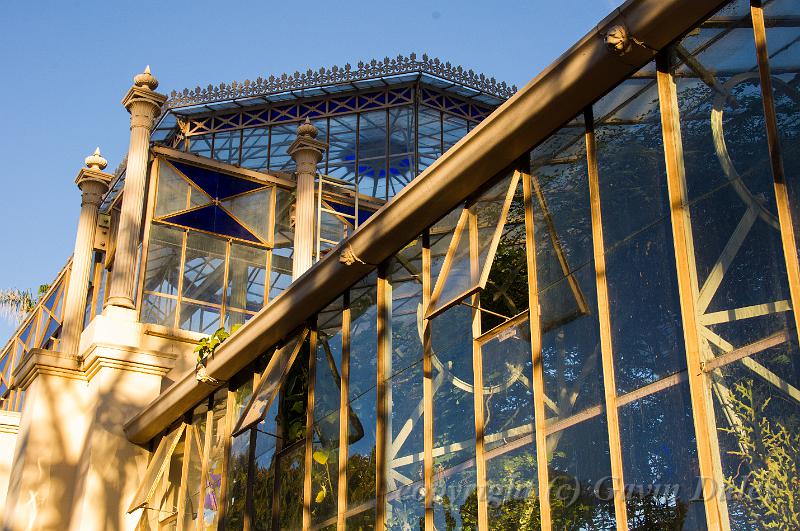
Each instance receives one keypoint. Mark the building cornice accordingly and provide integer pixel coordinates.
(337, 75)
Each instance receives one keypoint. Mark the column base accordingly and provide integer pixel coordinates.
(121, 302)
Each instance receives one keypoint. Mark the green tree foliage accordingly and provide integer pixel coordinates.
(767, 480)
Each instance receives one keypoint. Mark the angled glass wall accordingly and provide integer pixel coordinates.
(602, 337)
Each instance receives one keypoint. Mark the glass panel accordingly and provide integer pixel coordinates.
(196, 432)
(252, 210)
(453, 418)
(264, 474)
(254, 148)
(280, 271)
(162, 268)
(158, 310)
(284, 223)
(362, 397)
(506, 291)
(327, 394)
(291, 488)
(201, 145)
(453, 130)
(511, 477)
(204, 269)
(282, 138)
(581, 496)
(401, 148)
(173, 190)
(199, 318)
(342, 150)
(237, 482)
(267, 387)
(404, 504)
(758, 427)
(660, 461)
(226, 146)
(213, 484)
(643, 290)
(573, 384)
(238, 463)
(246, 277)
(156, 467)
(292, 422)
(479, 230)
(372, 144)
(430, 137)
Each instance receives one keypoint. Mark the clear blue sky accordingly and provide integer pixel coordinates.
(67, 64)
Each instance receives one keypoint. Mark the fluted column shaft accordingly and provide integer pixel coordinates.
(75, 302)
(123, 279)
(305, 213)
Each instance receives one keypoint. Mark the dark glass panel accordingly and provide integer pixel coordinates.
(213, 219)
(327, 399)
(581, 496)
(453, 418)
(506, 292)
(573, 377)
(660, 461)
(215, 184)
(646, 328)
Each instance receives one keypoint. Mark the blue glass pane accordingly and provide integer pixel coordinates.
(217, 185)
(213, 219)
(52, 328)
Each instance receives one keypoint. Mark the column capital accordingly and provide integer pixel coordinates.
(306, 143)
(143, 91)
(92, 180)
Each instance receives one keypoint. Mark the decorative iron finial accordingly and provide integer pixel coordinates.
(95, 161)
(307, 129)
(146, 79)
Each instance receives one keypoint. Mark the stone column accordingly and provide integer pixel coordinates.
(93, 183)
(144, 104)
(306, 151)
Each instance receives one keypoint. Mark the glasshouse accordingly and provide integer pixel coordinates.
(405, 296)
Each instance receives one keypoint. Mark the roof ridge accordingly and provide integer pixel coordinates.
(337, 74)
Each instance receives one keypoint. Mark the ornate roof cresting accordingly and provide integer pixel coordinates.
(331, 76)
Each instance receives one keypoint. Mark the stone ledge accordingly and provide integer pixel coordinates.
(9, 422)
